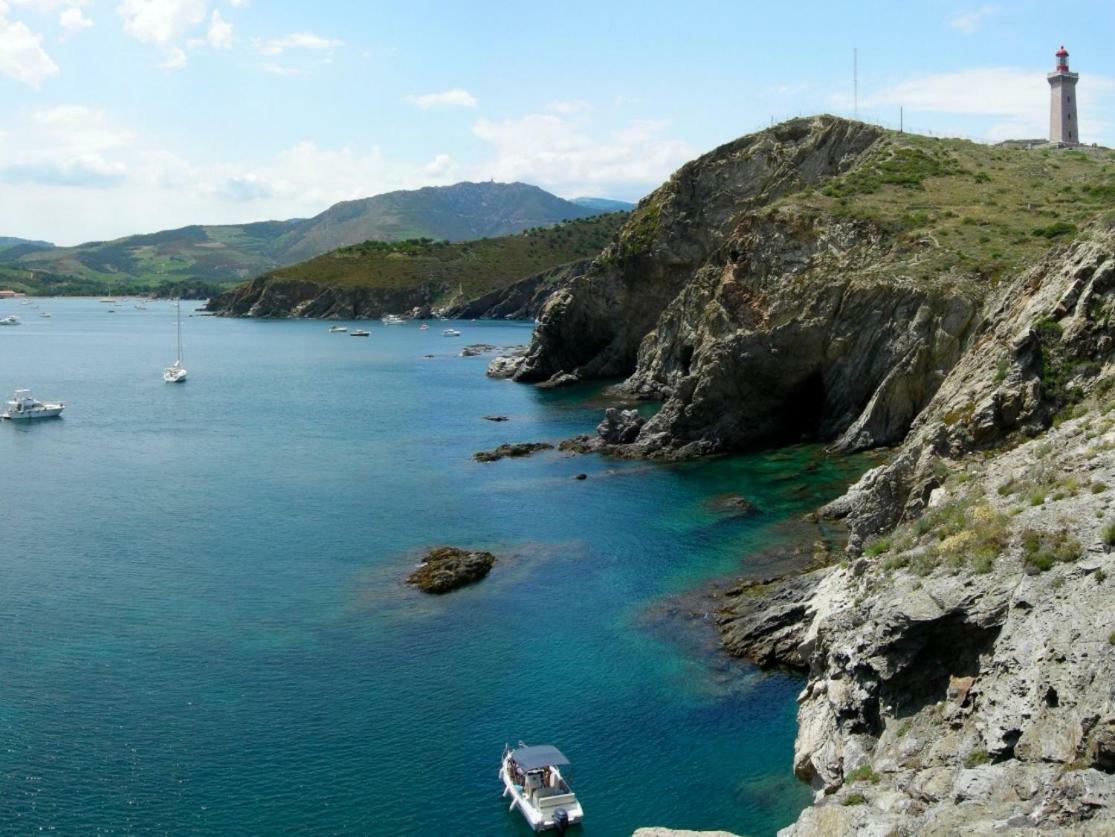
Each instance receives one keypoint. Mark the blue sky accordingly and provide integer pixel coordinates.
(125, 116)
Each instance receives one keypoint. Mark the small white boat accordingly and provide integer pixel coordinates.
(393, 319)
(423, 327)
(337, 329)
(359, 332)
(109, 300)
(45, 315)
(176, 374)
(531, 777)
(23, 407)
(10, 320)
(451, 332)
(139, 306)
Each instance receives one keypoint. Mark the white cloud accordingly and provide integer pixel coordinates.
(296, 40)
(66, 145)
(219, 35)
(457, 97)
(22, 56)
(175, 59)
(441, 166)
(72, 21)
(561, 153)
(968, 23)
(567, 107)
(57, 163)
(283, 70)
(161, 22)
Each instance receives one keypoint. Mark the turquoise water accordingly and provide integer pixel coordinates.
(205, 630)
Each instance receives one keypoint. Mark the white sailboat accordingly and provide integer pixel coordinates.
(176, 374)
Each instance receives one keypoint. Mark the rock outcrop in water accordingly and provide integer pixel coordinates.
(511, 450)
(446, 568)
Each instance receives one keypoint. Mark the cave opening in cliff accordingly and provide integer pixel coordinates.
(801, 411)
(686, 359)
(929, 654)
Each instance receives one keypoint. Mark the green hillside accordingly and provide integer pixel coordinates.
(959, 208)
(475, 267)
(208, 258)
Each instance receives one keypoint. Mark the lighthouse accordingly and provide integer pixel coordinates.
(1063, 129)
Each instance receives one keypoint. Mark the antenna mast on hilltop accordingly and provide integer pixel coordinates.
(855, 82)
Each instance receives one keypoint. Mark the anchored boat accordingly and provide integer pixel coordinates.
(532, 778)
(23, 407)
(176, 373)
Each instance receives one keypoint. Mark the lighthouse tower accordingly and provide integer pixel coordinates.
(1063, 129)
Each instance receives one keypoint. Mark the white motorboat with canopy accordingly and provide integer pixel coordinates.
(23, 407)
(532, 778)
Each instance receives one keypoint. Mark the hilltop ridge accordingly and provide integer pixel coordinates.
(209, 257)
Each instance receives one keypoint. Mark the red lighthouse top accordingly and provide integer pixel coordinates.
(1062, 60)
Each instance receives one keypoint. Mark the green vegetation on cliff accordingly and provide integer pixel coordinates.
(959, 207)
(476, 267)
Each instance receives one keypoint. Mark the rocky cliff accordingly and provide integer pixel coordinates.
(269, 297)
(960, 669)
(522, 300)
(954, 302)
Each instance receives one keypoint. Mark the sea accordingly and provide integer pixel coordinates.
(204, 625)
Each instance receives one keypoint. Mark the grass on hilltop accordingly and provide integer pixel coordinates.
(959, 207)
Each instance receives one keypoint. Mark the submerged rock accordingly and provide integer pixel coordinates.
(446, 568)
(512, 450)
(734, 504)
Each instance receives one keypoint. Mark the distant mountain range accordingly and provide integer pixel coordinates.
(209, 257)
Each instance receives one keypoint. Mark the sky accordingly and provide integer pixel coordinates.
(128, 116)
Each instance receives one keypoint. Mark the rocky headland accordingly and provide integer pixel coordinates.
(953, 304)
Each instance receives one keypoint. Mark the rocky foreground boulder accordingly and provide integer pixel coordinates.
(446, 568)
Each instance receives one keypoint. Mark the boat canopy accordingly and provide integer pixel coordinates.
(535, 758)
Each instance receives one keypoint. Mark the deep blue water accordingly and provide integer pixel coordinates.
(204, 628)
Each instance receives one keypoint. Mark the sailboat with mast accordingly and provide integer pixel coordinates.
(176, 374)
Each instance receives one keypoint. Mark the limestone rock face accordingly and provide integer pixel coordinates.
(505, 366)
(1042, 335)
(620, 427)
(945, 697)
